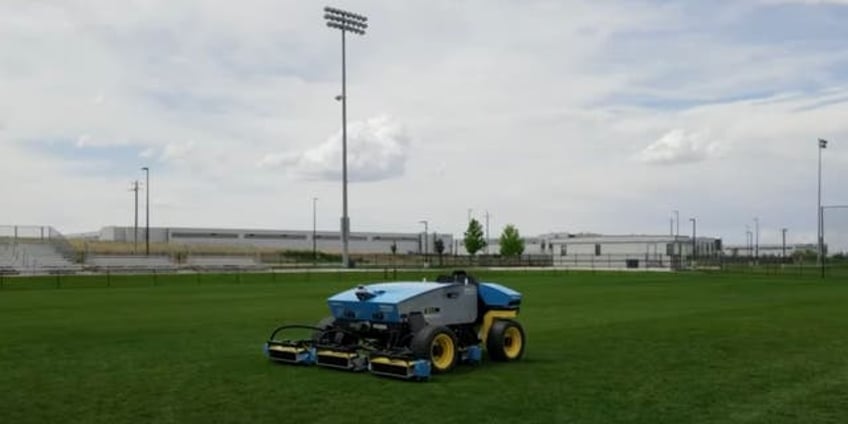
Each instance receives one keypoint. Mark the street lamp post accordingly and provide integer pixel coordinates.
(134, 189)
(147, 211)
(355, 23)
(314, 232)
(822, 145)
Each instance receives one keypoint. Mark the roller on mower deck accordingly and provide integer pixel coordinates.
(409, 330)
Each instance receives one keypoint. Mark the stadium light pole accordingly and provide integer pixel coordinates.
(147, 210)
(345, 22)
(822, 145)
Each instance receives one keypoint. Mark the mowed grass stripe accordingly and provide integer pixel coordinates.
(616, 347)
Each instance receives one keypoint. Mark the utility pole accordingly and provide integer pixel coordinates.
(147, 211)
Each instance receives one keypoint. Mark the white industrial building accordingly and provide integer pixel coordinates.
(629, 251)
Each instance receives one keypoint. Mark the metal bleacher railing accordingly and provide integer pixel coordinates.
(28, 249)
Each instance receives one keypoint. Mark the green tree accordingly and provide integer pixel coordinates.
(439, 245)
(393, 247)
(474, 240)
(511, 242)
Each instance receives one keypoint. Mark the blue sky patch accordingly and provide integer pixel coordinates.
(97, 160)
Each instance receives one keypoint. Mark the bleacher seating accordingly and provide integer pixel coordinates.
(222, 263)
(26, 257)
(129, 263)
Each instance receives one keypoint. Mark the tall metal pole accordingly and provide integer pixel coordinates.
(426, 242)
(345, 218)
(355, 23)
(147, 211)
(757, 239)
(783, 232)
(314, 228)
(671, 227)
(135, 224)
(821, 145)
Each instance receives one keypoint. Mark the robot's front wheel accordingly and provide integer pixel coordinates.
(438, 344)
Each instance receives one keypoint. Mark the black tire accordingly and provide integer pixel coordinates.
(506, 341)
(325, 324)
(438, 345)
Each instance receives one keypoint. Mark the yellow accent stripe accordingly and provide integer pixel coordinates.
(489, 319)
(333, 353)
(390, 361)
(286, 349)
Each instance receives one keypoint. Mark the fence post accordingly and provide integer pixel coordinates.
(108, 279)
(154, 278)
(58, 281)
(2, 280)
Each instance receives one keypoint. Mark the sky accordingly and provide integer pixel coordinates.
(554, 116)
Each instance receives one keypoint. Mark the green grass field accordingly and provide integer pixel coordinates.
(602, 348)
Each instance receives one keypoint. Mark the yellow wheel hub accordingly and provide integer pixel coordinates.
(442, 351)
(512, 342)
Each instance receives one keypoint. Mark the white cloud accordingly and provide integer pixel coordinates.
(377, 150)
(177, 152)
(147, 153)
(680, 146)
